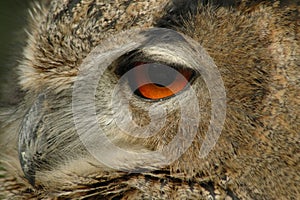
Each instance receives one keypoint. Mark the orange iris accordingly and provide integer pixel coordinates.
(152, 88)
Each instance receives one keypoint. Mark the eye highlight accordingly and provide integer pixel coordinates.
(156, 81)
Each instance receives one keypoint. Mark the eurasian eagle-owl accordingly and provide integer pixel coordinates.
(156, 99)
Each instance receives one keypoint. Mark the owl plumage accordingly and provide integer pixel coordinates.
(253, 44)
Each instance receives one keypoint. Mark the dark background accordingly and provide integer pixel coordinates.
(13, 19)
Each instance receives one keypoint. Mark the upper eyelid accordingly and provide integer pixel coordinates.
(128, 60)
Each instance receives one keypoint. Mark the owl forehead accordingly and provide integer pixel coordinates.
(106, 15)
(63, 34)
(88, 21)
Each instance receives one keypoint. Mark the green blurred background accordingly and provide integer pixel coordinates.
(13, 18)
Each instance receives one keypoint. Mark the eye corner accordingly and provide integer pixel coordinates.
(126, 62)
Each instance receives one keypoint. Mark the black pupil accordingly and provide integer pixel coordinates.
(161, 75)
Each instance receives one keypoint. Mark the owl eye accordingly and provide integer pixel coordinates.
(156, 81)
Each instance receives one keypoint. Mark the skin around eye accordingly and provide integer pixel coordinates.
(156, 81)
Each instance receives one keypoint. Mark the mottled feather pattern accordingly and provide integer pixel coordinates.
(255, 46)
